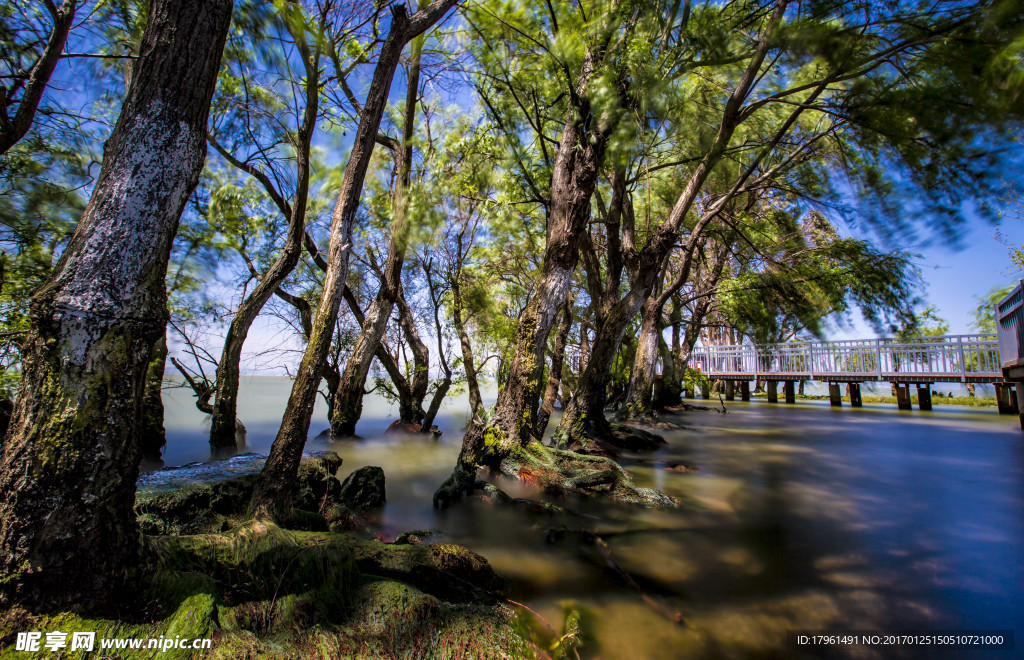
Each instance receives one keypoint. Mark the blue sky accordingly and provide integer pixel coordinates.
(956, 275)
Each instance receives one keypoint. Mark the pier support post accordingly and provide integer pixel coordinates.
(902, 396)
(705, 389)
(773, 391)
(1002, 400)
(1006, 399)
(730, 390)
(835, 395)
(744, 390)
(1020, 403)
(854, 389)
(924, 396)
(789, 391)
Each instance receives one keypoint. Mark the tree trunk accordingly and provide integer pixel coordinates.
(583, 423)
(476, 402)
(412, 411)
(68, 535)
(670, 390)
(348, 400)
(547, 404)
(276, 486)
(574, 177)
(152, 436)
(645, 362)
(224, 426)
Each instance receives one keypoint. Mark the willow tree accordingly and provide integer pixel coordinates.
(275, 488)
(67, 527)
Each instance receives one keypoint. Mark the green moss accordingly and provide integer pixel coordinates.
(194, 619)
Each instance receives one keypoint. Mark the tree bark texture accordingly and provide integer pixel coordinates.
(68, 534)
(276, 486)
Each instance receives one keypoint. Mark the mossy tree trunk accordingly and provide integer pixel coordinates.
(671, 379)
(68, 534)
(223, 427)
(639, 400)
(275, 488)
(348, 399)
(574, 177)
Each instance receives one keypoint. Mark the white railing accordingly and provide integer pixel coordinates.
(950, 357)
(1010, 327)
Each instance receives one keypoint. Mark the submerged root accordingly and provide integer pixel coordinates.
(554, 470)
(602, 438)
(560, 472)
(492, 493)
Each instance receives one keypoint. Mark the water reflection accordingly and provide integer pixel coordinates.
(800, 517)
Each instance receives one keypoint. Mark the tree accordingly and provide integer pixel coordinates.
(67, 526)
(348, 399)
(985, 313)
(307, 92)
(273, 492)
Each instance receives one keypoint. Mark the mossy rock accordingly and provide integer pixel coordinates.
(261, 561)
(203, 498)
(449, 572)
(364, 488)
(261, 591)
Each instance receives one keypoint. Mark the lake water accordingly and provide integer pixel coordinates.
(800, 517)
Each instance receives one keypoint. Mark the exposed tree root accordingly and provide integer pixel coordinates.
(683, 407)
(588, 537)
(599, 437)
(557, 472)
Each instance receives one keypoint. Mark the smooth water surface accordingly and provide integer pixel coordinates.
(800, 517)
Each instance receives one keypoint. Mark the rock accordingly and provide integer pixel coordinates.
(200, 497)
(318, 480)
(415, 537)
(364, 488)
(398, 426)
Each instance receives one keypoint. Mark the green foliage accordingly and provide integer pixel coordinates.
(985, 312)
(809, 273)
(40, 202)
